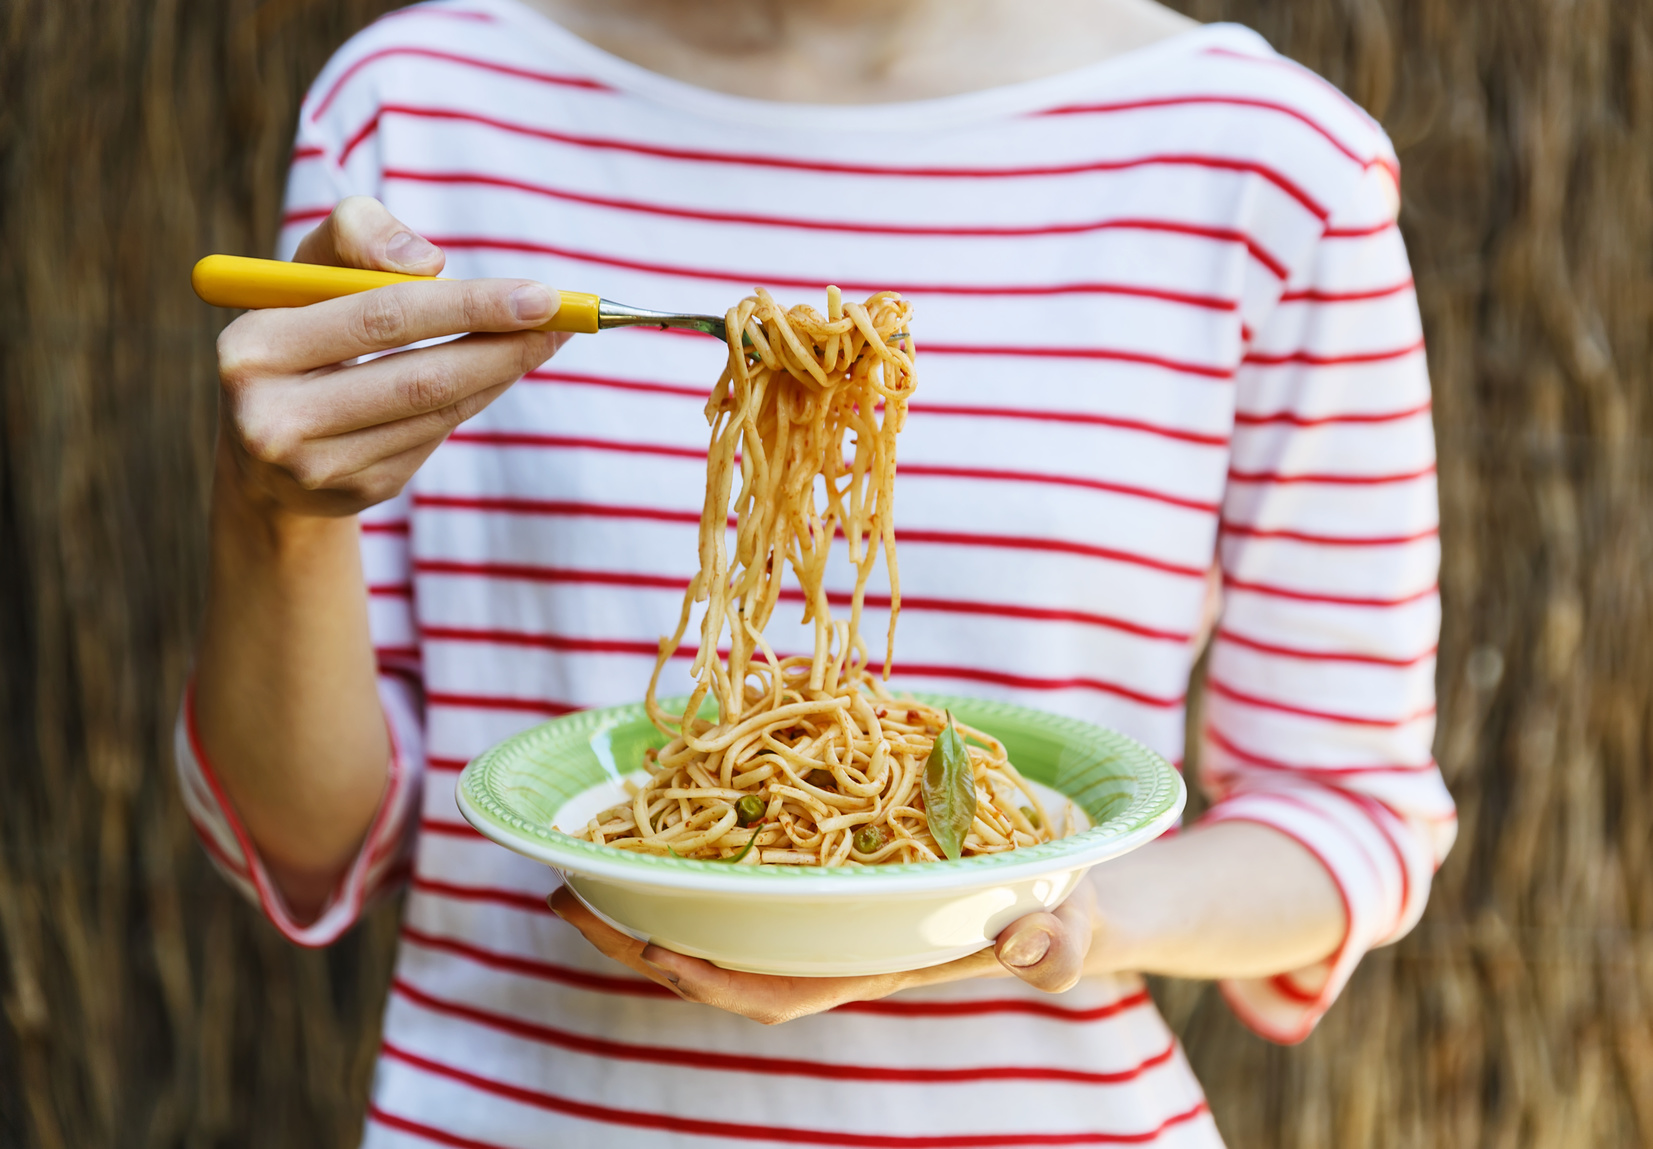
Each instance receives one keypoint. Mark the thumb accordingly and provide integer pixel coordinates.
(361, 232)
(1047, 950)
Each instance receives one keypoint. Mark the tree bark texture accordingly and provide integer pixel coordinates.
(144, 1005)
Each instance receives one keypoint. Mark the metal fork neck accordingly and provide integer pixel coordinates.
(611, 314)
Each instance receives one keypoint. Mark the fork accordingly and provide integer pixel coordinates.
(238, 281)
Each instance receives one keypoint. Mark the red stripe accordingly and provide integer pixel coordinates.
(714, 1061)
(446, 763)
(209, 843)
(1291, 419)
(1059, 546)
(307, 152)
(542, 970)
(515, 899)
(306, 215)
(254, 872)
(504, 505)
(893, 1007)
(1346, 296)
(697, 454)
(554, 507)
(400, 528)
(1252, 758)
(493, 702)
(1227, 691)
(1313, 360)
(1210, 163)
(554, 574)
(543, 376)
(391, 589)
(1227, 635)
(919, 407)
(549, 641)
(569, 442)
(1200, 369)
(1287, 989)
(1359, 232)
(1238, 530)
(1379, 813)
(1330, 480)
(872, 601)
(448, 829)
(551, 78)
(645, 649)
(637, 1119)
(1320, 82)
(897, 1008)
(1230, 582)
(1026, 682)
(425, 10)
(1232, 101)
(1009, 610)
(489, 243)
(977, 231)
(995, 475)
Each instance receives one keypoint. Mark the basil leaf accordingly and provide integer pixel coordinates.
(949, 791)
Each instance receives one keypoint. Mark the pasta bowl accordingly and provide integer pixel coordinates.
(814, 921)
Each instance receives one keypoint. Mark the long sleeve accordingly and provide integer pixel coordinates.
(314, 185)
(1320, 705)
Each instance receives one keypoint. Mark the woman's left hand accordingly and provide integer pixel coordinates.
(1046, 950)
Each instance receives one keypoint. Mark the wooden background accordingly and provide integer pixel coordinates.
(145, 1006)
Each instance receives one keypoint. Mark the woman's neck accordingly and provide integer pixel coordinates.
(862, 51)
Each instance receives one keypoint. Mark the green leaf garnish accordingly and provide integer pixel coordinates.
(949, 791)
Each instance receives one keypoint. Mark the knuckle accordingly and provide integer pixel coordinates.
(310, 474)
(382, 320)
(352, 219)
(261, 435)
(465, 409)
(430, 386)
(240, 357)
(380, 487)
(480, 308)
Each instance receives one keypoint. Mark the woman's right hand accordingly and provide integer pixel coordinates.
(311, 432)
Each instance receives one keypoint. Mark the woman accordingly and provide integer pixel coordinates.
(1170, 365)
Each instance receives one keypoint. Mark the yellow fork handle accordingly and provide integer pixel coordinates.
(237, 281)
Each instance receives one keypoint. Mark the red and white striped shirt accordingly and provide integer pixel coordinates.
(1166, 327)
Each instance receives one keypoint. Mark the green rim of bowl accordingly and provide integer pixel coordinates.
(1130, 793)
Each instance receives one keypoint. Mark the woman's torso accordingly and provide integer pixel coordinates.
(1086, 257)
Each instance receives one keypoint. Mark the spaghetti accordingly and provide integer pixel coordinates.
(810, 760)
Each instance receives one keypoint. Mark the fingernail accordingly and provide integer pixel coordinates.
(1025, 949)
(407, 250)
(531, 301)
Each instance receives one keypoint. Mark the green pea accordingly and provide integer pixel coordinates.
(749, 809)
(870, 839)
(1032, 816)
(821, 779)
